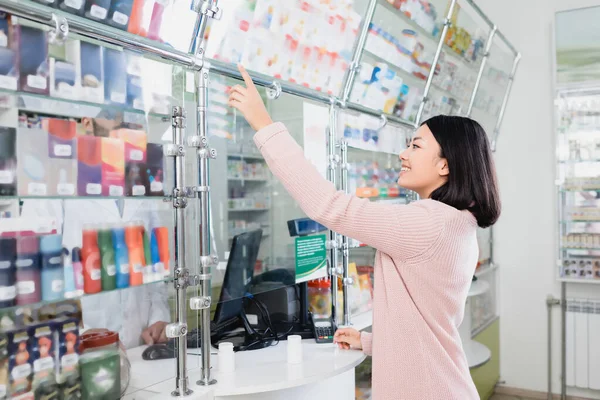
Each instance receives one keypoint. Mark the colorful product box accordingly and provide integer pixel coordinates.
(62, 151)
(89, 166)
(113, 167)
(119, 13)
(20, 369)
(72, 6)
(135, 88)
(97, 9)
(9, 63)
(67, 332)
(115, 76)
(136, 180)
(8, 161)
(65, 81)
(43, 347)
(3, 366)
(32, 147)
(91, 72)
(155, 170)
(33, 60)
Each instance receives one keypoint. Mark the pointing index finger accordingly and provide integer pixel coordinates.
(246, 76)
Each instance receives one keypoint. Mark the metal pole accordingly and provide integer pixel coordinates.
(550, 302)
(204, 153)
(333, 236)
(488, 46)
(178, 329)
(434, 63)
(563, 341)
(358, 51)
(347, 281)
(206, 9)
(505, 101)
(97, 31)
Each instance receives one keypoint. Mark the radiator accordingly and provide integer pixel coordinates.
(583, 343)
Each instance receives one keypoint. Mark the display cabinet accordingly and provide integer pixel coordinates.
(112, 112)
(577, 177)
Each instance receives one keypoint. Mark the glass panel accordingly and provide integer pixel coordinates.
(577, 149)
(374, 167)
(484, 306)
(83, 181)
(166, 24)
(464, 47)
(250, 214)
(493, 85)
(288, 40)
(400, 48)
(484, 241)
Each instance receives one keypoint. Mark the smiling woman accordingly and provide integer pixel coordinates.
(427, 250)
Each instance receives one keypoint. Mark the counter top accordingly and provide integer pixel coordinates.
(257, 371)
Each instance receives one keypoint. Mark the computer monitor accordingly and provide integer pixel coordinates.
(238, 277)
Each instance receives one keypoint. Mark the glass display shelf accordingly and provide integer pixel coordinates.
(580, 221)
(248, 156)
(580, 248)
(414, 80)
(580, 189)
(167, 279)
(580, 280)
(231, 178)
(579, 161)
(434, 39)
(166, 30)
(42, 104)
(74, 197)
(248, 209)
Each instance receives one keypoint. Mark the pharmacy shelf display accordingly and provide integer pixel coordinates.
(401, 49)
(95, 98)
(578, 188)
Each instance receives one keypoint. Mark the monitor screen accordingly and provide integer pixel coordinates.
(238, 276)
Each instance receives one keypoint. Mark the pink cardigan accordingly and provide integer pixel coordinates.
(427, 253)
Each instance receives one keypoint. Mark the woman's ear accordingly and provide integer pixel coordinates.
(443, 169)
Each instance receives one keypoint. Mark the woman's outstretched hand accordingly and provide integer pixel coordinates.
(348, 338)
(247, 100)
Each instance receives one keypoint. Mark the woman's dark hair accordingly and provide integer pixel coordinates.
(471, 182)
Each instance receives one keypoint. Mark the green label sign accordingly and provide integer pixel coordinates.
(311, 257)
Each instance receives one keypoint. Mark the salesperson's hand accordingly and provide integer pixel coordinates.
(247, 100)
(155, 333)
(348, 338)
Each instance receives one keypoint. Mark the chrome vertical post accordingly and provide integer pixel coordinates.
(434, 63)
(505, 101)
(178, 329)
(206, 9)
(488, 47)
(206, 259)
(333, 245)
(358, 51)
(563, 341)
(346, 280)
(550, 302)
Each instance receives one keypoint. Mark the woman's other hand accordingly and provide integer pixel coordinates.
(348, 338)
(247, 100)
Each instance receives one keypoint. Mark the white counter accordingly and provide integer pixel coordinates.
(260, 374)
